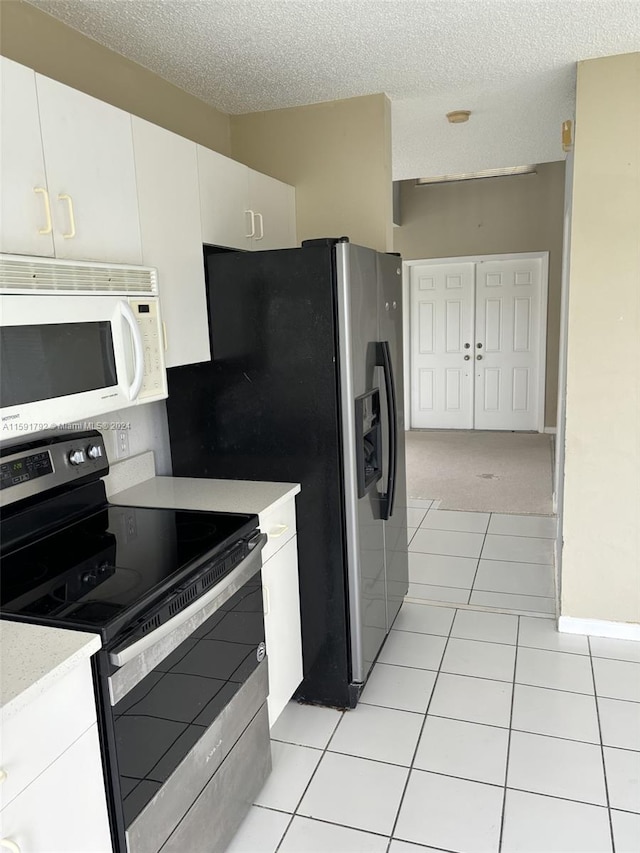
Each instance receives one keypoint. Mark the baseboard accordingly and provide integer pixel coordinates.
(599, 628)
(550, 430)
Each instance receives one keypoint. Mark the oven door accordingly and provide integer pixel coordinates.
(189, 722)
(68, 357)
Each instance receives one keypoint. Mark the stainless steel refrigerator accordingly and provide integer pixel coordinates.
(306, 385)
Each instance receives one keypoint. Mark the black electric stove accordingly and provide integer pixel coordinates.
(72, 560)
(176, 598)
(98, 573)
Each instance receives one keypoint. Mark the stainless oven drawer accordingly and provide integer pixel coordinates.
(216, 815)
(238, 740)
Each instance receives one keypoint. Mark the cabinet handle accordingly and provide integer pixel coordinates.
(164, 335)
(278, 531)
(259, 217)
(3, 776)
(47, 209)
(266, 601)
(253, 223)
(72, 220)
(9, 845)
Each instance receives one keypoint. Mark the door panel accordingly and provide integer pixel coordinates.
(25, 208)
(358, 333)
(395, 529)
(442, 308)
(88, 153)
(507, 357)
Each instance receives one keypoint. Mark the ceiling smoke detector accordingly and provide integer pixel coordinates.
(458, 116)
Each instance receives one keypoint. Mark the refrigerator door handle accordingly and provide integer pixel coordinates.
(383, 360)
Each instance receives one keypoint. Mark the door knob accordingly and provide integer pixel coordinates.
(479, 346)
(479, 357)
(467, 357)
(466, 346)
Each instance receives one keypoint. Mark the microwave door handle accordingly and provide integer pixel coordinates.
(138, 352)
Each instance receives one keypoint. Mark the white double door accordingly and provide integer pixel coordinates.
(477, 344)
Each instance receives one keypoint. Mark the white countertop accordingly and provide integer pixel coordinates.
(195, 493)
(32, 659)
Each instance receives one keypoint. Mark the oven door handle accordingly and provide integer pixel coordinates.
(123, 655)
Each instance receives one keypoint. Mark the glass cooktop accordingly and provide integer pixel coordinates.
(98, 573)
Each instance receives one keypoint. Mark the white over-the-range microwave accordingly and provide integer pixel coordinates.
(77, 340)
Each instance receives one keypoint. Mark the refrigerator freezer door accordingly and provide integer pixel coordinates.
(395, 529)
(267, 408)
(358, 334)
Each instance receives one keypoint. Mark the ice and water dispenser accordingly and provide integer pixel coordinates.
(368, 440)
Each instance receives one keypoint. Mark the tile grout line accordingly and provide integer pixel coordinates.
(315, 770)
(604, 766)
(482, 608)
(492, 559)
(506, 768)
(424, 722)
(475, 574)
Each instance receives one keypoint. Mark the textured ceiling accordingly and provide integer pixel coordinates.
(511, 62)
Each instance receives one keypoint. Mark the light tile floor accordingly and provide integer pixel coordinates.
(490, 560)
(477, 732)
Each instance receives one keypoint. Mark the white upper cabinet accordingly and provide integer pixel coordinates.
(88, 154)
(241, 208)
(273, 205)
(169, 204)
(25, 226)
(224, 200)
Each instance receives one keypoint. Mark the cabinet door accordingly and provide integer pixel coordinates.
(25, 211)
(275, 209)
(64, 810)
(282, 626)
(224, 193)
(88, 153)
(169, 202)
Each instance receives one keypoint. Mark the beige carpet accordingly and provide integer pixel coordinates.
(483, 471)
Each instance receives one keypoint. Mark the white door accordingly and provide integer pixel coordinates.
(508, 344)
(26, 213)
(169, 202)
(224, 201)
(274, 207)
(88, 154)
(442, 346)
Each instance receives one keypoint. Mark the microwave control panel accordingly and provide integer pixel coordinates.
(147, 316)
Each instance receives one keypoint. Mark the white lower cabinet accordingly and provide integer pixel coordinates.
(64, 809)
(281, 606)
(53, 796)
(282, 626)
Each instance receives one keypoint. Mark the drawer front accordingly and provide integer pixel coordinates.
(65, 809)
(280, 525)
(214, 818)
(37, 735)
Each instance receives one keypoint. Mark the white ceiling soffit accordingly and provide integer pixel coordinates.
(511, 62)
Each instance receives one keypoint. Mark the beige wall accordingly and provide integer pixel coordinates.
(601, 555)
(39, 41)
(338, 157)
(522, 213)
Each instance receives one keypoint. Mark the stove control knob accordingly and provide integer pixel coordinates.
(94, 451)
(77, 457)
